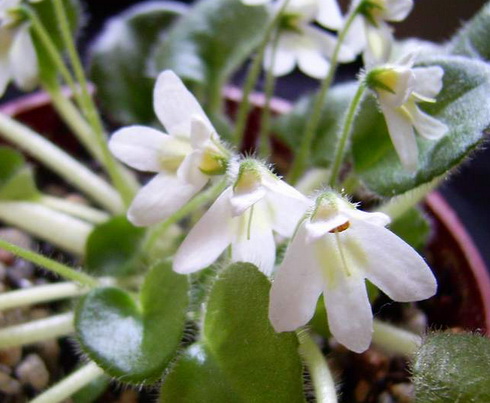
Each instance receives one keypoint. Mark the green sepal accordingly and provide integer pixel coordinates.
(462, 105)
(119, 56)
(113, 248)
(16, 177)
(452, 368)
(135, 339)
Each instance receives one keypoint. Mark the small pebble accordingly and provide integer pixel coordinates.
(8, 385)
(49, 351)
(403, 392)
(362, 390)
(385, 397)
(32, 371)
(10, 356)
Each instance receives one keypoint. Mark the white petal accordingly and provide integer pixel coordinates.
(23, 60)
(397, 10)
(350, 318)
(255, 2)
(329, 14)
(313, 64)
(175, 105)
(428, 81)
(376, 218)
(379, 43)
(391, 264)
(402, 135)
(402, 90)
(255, 244)
(160, 198)
(426, 125)
(242, 201)
(285, 58)
(200, 132)
(207, 239)
(318, 228)
(189, 170)
(324, 43)
(355, 38)
(296, 287)
(139, 147)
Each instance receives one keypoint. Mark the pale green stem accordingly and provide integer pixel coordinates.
(64, 231)
(302, 157)
(49, 264)
(70, 385)
(265, 119)
(197, 202)
(399, 205)
(78, 210)
(395, 340)
(40, 294)
(37, 330)
(111, 166)
(345, 135)
(60, 162)
(321, 376)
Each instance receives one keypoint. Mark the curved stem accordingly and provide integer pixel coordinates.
(60, 162)
(64, 231)
(395, 340)
(302, 157)
(345, 134)
(77, 210)
(39, 294)
(49, 264)
(37, 330)
(321, 376)
(70, 385)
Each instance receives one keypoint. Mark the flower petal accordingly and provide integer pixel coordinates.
(355, 38)
(255, 2)
(255, 242)
(207, 239)
(427, 126)
(318, 228)
(200, 132)
(329, 14)
(242, 201)
(189, 170)
(139, 147)
(175, 105)
(313, 64)
(397, 10)
(379, 42)
(285, 56)
(390, 263)
(160, 198)
(23, 60)
(402, 135)
(375, 218)
(428, 81)
(296, 287)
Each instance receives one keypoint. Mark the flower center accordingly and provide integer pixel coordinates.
(372, 10)
(213, 163)
(290, 22)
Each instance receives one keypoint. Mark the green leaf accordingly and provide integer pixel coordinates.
(413, 227)
(135, 340)
(290, 127)
(112, 248)
(452, 368)
(240, 351)
(92, 391)
(119, 57)
(16, 177)
(462, 104)
(472, 39)
(210, 42)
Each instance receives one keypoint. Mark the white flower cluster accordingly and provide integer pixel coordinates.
(334, 246)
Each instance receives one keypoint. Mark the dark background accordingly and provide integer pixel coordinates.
(467, 191)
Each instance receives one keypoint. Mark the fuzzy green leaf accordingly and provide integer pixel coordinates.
(119, 57)
(16, 177)
(290, 127)
(452, 368)
(462, 104)
(209, 43)
(135, 340)
(472, 39)
(413, 227)
(112, 248)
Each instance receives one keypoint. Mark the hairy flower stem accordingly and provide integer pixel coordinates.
(60, 162)
(265, 118)
(77, 210)
(303, 156)
(110, 164)
(321, 376)
(344, 135)
(37, 330)
(49, 264)
(39, 294)
(252, 77)
(64, 231)
(395, 340)
(70, 385)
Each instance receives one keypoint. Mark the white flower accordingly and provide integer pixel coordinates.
(300, 43)
(399, 88)
(245, 216)
(369, 31)
(333, 251)
(18, 60)
(184, 159)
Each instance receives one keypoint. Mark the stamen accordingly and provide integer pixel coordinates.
(249, 227)
(340, 228)
(341, 252)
